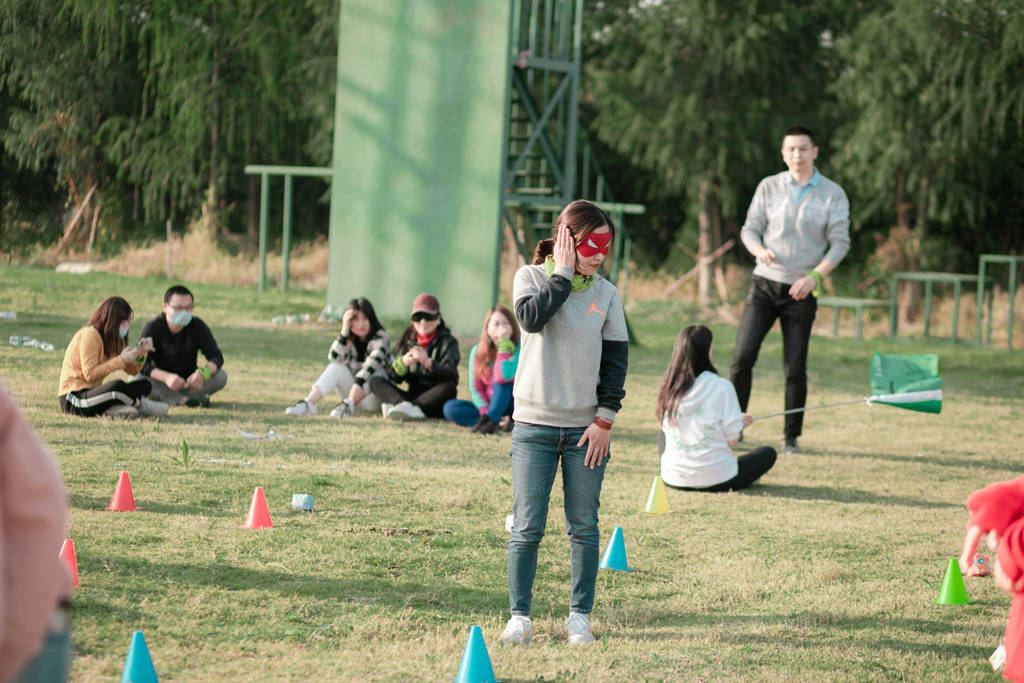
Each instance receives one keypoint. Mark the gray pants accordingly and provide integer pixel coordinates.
(163, 393)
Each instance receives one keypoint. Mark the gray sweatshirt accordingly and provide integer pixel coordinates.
(574, 350)
(799, 234)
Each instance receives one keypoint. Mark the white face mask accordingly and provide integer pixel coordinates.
(124, 331)
(181, 318)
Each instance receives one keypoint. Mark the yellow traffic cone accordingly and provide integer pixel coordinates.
(657, 502)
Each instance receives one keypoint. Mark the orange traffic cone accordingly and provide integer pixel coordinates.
(259, 515)
(67, 553)
(123, 500)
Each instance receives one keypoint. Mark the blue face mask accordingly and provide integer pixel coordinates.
(123, 332)
(181, 318)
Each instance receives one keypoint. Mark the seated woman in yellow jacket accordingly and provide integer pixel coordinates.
(97, 350)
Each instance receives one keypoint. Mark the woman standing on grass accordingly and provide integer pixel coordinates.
(492, 367)
(426, 360)
(568, 389)
(361, 352)
(97, 350)
(701, 421)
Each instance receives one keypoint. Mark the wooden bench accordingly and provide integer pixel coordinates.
(858, 305)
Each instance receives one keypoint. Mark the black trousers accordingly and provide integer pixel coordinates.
(752, 465)
(96, 401)
(767, 301)
(431, 401)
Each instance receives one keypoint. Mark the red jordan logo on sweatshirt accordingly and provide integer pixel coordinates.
(593, 308)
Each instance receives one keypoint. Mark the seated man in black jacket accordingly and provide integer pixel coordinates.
(172, 367)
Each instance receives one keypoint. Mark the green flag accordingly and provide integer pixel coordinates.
(908, 381)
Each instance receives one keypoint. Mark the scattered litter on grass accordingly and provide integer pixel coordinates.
(269, 435)
(290, 319)
(224, 461)
(8, 315)
(30, 341)
(330, 315)
(387, 531)
(210, 461)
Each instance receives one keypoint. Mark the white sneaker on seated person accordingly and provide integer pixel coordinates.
(301, 408)
(406, 411)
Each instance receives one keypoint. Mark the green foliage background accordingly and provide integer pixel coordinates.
(919, 110)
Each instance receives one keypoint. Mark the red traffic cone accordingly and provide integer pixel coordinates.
(259, 515)
(67, 554)
(123, 500)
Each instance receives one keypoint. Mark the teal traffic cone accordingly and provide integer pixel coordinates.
(615, 553)
(476, 663)
(138, 667)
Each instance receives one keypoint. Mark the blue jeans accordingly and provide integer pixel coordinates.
(466, 414)
(50, 665)
(535, 452)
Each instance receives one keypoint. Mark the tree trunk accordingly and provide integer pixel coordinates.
(213, 195)
(253, 200)
(909, 300)
(705, 279)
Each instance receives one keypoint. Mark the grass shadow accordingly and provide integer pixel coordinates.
(966, 461)
(844, 495)
(387, 591)
(95, 503)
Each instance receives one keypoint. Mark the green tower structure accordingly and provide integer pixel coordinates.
(417, 155)
(455, 123)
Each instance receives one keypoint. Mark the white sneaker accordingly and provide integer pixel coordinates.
(406, 411)
(343, 410)
(152, 408)
(301, 408)
(579, 628)
(517, 630)
(121, 410)
(386, 408)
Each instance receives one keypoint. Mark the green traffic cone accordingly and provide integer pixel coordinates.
(953, 591)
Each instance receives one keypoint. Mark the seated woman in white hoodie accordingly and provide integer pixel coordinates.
(701, 421)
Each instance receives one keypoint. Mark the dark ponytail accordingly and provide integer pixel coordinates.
(544, 249)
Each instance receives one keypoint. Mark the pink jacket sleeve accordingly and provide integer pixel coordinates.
(995, 507)
(33, 508)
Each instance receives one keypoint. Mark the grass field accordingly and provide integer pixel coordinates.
(827, 570)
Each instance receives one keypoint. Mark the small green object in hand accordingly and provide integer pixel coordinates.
(205, 372)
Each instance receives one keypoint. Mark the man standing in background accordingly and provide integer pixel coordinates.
(797, 229)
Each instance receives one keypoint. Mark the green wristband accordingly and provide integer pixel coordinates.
(816, 276)
(205, 372)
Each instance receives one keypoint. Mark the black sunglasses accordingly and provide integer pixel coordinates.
(420, 316)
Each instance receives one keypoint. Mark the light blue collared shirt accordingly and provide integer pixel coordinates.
(798, 191)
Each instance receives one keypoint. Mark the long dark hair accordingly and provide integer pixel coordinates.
(362, 305)
(107, 319)
(690, 357)
(582, 217)
(486, 350)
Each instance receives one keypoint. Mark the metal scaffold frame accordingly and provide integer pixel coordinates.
(547, 161)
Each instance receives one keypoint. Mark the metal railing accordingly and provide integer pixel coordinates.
(289, 173)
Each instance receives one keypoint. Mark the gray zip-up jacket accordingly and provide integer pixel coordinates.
(574, 349)
(799, 234)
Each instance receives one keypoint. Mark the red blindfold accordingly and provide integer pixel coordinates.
(592, 244)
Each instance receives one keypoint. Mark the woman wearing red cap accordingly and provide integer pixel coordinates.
(426, 361)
